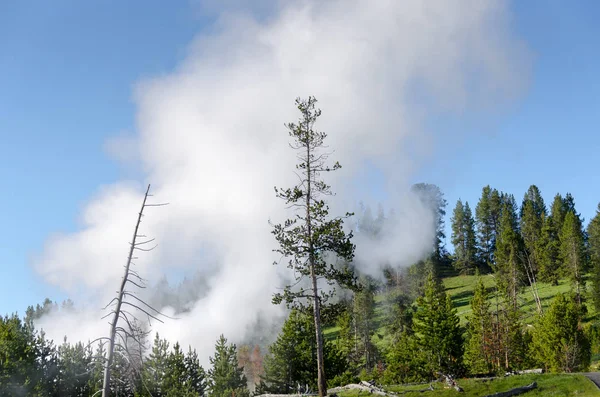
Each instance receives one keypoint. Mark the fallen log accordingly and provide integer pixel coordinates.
(515, 391)
(531, 371)
(368, 387)
(451, 382)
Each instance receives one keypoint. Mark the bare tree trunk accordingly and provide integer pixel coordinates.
(321, 382)
(117, 312)
(533, 284)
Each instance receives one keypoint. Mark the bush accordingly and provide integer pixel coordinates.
(343, 379)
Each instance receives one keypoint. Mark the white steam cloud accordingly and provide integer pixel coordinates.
(211, 140)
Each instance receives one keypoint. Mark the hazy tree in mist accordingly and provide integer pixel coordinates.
(312, 237)
(433, 198)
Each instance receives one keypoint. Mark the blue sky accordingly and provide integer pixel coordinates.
(67, 70)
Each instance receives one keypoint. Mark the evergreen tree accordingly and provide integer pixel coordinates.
(593, 232)
(291, 359)
(572, 253)
(46, 368)
(559, 341)
(226, 378)
(156, 366)
(432, 198)
(196, 377)
(405, 361)
(548, 252)
(533, 210)
(437, 330)
(558, 211)
(312, 238)
(479, 346)
(512, 352)
(17, 357)
(487, 215)
(97, 368)
(364, 327)
(176, 380)
(509, 253)
(463, 238)
(73, 364)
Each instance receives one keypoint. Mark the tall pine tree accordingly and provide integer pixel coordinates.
(532, 221)
(548, 252)
(572, 253)
(559, 341)
(479, 345)
(312, 237)
(433, 198)
(487, 215)
(463, 238)
(509, 253)
(593, 232)
(225, 377)
(437, 330)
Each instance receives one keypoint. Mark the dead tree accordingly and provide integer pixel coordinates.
(121, 336)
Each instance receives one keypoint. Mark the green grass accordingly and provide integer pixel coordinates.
(460, 289)
(547, 385)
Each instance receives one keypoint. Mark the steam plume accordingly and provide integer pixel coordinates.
(210, 139)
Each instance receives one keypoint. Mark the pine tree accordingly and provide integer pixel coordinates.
(487, 215)
(312, 237)
(478, 347)
(405, 361)
(548, 252)
(463, 238)
(432, 198)
(437, 330)
(533, 210)
(363, 322)
(509, 253)
(17, 357)
(196, 377)
(47, 367)
(572, 253)
(73, 364)
(176, 381)
(291, 359)
(558, 211)
(559, 341)
(226, 378)
(97, 367)
(593, 232)
(156, 366)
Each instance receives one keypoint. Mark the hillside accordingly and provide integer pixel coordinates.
(460, 289)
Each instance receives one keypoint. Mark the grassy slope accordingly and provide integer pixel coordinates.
(460, 289)
(548, 385)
